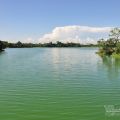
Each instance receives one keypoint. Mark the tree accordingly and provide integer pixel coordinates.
(115, 34)
(111, 45)
(2, 45)
(19, 44)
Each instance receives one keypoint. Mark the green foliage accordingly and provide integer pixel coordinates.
(50, 44)
(116, 55)
(111, 45)
(115, 33)
(2, 45)
(59, 44)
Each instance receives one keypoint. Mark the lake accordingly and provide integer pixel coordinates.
(58, 84)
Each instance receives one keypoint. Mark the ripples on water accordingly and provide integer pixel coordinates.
(57, 84)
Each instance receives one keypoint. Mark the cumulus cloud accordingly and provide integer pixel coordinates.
(75, 34)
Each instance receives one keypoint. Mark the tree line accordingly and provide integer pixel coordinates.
(50, 44)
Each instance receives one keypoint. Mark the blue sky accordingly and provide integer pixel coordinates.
(22, 19)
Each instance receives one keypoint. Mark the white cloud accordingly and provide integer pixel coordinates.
(75, 34)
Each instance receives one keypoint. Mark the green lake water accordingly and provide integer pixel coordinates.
(58, 84)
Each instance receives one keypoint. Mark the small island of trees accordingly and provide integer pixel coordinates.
(111, 46)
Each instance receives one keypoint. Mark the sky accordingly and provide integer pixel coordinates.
(57, 20)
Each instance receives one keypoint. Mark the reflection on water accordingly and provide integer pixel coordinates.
(113, 66)
(2, 52)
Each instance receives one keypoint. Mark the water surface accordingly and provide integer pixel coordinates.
(57, 84)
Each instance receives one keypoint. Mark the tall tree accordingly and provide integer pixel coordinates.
(115, 34)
